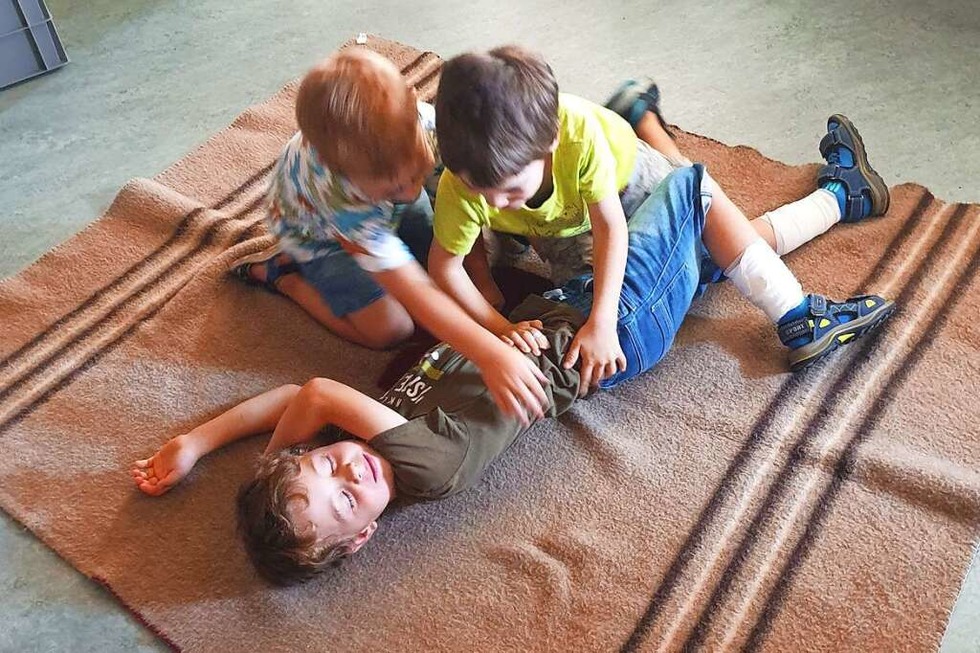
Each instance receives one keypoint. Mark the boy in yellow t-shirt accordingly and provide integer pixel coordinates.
(573, 177)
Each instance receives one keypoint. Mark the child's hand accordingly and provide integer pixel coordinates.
(516, 385)
(526, 336)
(598, 345)
(164, 469)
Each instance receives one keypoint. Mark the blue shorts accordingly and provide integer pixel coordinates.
(667, 267)
(344, 286)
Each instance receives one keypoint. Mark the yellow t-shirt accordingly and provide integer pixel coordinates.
(594, 159)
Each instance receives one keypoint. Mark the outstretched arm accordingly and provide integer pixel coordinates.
(296, 413)
(175, 459)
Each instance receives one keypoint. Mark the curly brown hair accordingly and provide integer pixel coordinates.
(283, 552)
(496, 113)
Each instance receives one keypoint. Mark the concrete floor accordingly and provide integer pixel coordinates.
(150, 79)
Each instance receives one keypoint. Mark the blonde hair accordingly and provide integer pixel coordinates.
(358, 113)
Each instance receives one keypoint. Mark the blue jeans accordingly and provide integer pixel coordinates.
(667, 267)
(347, 288)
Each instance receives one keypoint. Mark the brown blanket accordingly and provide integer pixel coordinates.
(718, 502)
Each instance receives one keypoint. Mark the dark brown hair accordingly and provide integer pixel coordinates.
(496, 113)
(282, 552)
(356, 110)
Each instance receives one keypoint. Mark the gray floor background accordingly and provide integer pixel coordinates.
(150, 79)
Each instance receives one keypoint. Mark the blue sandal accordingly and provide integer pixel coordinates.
(828, 325)
(860, 181)
(274, 270)
(634, 98)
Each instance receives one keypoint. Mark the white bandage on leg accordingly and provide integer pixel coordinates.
(801, 221)
(765, 280)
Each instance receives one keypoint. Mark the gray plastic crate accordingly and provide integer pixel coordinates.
(29, 43)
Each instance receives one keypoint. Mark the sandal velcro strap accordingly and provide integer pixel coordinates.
(634, 99)
(646, 100)
(652, 97)
(833, 139)
(274, 270)
(855, 206)
(795, 329)
(855, 185)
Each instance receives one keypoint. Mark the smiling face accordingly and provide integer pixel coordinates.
(514, 191)
(347, 487)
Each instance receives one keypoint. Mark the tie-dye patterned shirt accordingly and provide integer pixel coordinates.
(314, 212)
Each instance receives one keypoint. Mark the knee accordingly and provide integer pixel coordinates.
(390, 333)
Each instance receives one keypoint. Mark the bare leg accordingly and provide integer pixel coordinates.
(727, 232)
(379, 325)
(653, 134)
(382, 324)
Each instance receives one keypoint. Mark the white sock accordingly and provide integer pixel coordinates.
(801, 221)
(765, 280)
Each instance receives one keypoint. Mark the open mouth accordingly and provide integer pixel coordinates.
(372, 466)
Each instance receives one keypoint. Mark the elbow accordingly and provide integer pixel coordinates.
(317, 394)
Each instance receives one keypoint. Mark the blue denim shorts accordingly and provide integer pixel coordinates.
(340, 281)
(667, 267)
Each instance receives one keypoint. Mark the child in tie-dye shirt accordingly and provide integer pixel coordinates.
(353, 222)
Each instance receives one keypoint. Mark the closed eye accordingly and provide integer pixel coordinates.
(350, 500)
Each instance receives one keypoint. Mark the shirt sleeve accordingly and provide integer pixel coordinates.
(369, 238)
(597, 164)
(459, 217)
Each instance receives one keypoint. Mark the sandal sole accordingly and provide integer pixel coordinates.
(808, 355)
(880, 199)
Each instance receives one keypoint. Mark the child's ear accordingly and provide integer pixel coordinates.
(361, 538)
(554, 145)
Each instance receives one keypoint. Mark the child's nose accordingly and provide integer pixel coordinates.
(356, 472)
(498, 201)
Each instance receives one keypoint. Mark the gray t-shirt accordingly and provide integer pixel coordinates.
(454, 429)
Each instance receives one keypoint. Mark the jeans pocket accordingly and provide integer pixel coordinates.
(647, 332)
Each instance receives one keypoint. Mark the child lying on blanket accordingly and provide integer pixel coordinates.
(436, 431)
(431, 435)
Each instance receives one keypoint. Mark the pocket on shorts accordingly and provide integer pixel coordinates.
(648, 334)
